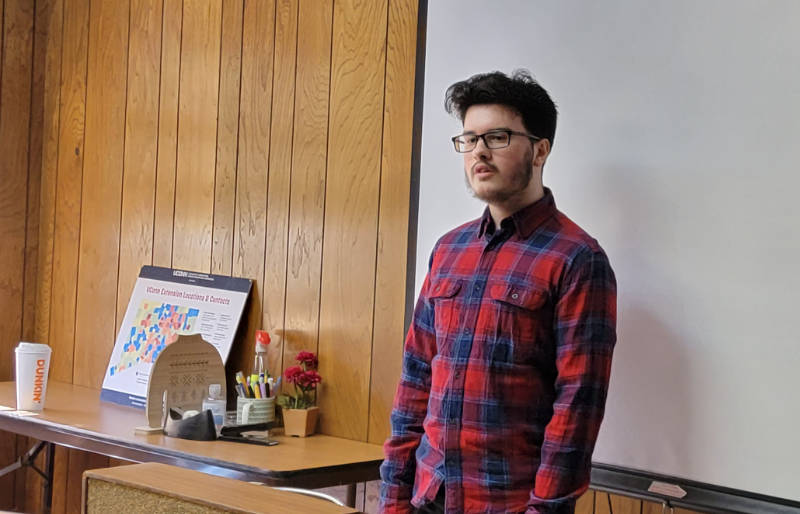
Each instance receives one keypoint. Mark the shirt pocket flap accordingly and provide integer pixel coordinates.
(523, 297)
(445, 288)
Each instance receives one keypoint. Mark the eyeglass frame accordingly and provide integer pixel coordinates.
(483, 137)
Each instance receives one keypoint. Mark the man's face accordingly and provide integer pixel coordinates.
(508, 177)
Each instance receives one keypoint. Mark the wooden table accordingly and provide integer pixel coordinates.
(75, 417)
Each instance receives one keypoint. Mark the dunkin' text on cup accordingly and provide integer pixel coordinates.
(38, 381)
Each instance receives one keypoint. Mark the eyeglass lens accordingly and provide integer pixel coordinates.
(492, 140)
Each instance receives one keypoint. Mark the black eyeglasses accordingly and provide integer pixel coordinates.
(494, 139)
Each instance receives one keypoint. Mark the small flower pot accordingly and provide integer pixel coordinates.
(300, 422)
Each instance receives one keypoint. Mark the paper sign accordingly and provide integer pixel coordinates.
(166, 303)
(666, 489)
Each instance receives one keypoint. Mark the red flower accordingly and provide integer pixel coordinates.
(293, 374)
(305, 379)
(308, 359)
(309, 379)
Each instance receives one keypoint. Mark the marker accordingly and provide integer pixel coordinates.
(239, 389)
(248, 392)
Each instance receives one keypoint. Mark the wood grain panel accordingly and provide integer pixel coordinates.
(79, 462)
(167, 131)
(658, 508)
(19, 494)
(60, 479)
(351, 207)
(390, 275)
(251, 189)
(49, 32)
(95, 308)
(197, 135)
(15, 95)
(372, 494)
(651, 508)
(141, 141)
(230, 75)
(585, 504)
(309, 164)
(44, 126)
(280, 164)
(16, 60)
(607, 503)
(7, 483)
(42, 12)
(66, 228)
(2, 39)
(29, 483)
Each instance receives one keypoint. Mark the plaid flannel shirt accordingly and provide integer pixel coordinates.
(505, 368)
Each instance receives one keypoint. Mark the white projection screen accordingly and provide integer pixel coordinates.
(678, 148)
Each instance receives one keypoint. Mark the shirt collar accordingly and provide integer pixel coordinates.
(525, 220)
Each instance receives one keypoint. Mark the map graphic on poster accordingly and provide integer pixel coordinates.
(157, 325)
(164, 304)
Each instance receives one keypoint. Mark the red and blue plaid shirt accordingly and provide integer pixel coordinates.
(505, 368)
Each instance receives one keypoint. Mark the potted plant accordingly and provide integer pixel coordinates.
(300, 412)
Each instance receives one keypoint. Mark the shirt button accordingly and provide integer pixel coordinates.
(457, 374)
(467, 331)
(478, 288)
(515, 296)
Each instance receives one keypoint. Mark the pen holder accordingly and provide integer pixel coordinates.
(255, 410)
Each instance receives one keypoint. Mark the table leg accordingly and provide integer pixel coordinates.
(48, 471)
(28, 460)
(350, 499)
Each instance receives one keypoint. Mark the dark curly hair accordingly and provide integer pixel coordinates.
(520, 92)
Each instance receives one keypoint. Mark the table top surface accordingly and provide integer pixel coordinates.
(75, 416)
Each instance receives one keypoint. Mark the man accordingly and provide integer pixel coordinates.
(507, 361)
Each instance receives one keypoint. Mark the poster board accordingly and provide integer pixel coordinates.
(166, 303)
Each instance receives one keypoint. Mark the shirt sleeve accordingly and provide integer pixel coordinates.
(585, 334)
(409, 409)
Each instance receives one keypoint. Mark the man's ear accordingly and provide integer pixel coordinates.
(541, 150)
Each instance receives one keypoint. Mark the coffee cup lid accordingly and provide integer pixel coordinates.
(32, 347)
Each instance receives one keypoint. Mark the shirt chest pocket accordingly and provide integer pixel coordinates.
(523, 323)
(444, 296)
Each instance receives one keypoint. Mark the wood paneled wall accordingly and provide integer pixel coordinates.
(269, 139)
(18, 196)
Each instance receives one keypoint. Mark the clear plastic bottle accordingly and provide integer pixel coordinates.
(260, 360)
(216, 404)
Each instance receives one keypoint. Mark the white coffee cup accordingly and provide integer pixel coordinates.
(33, 365)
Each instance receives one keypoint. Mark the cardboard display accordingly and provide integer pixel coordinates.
(183, 371)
